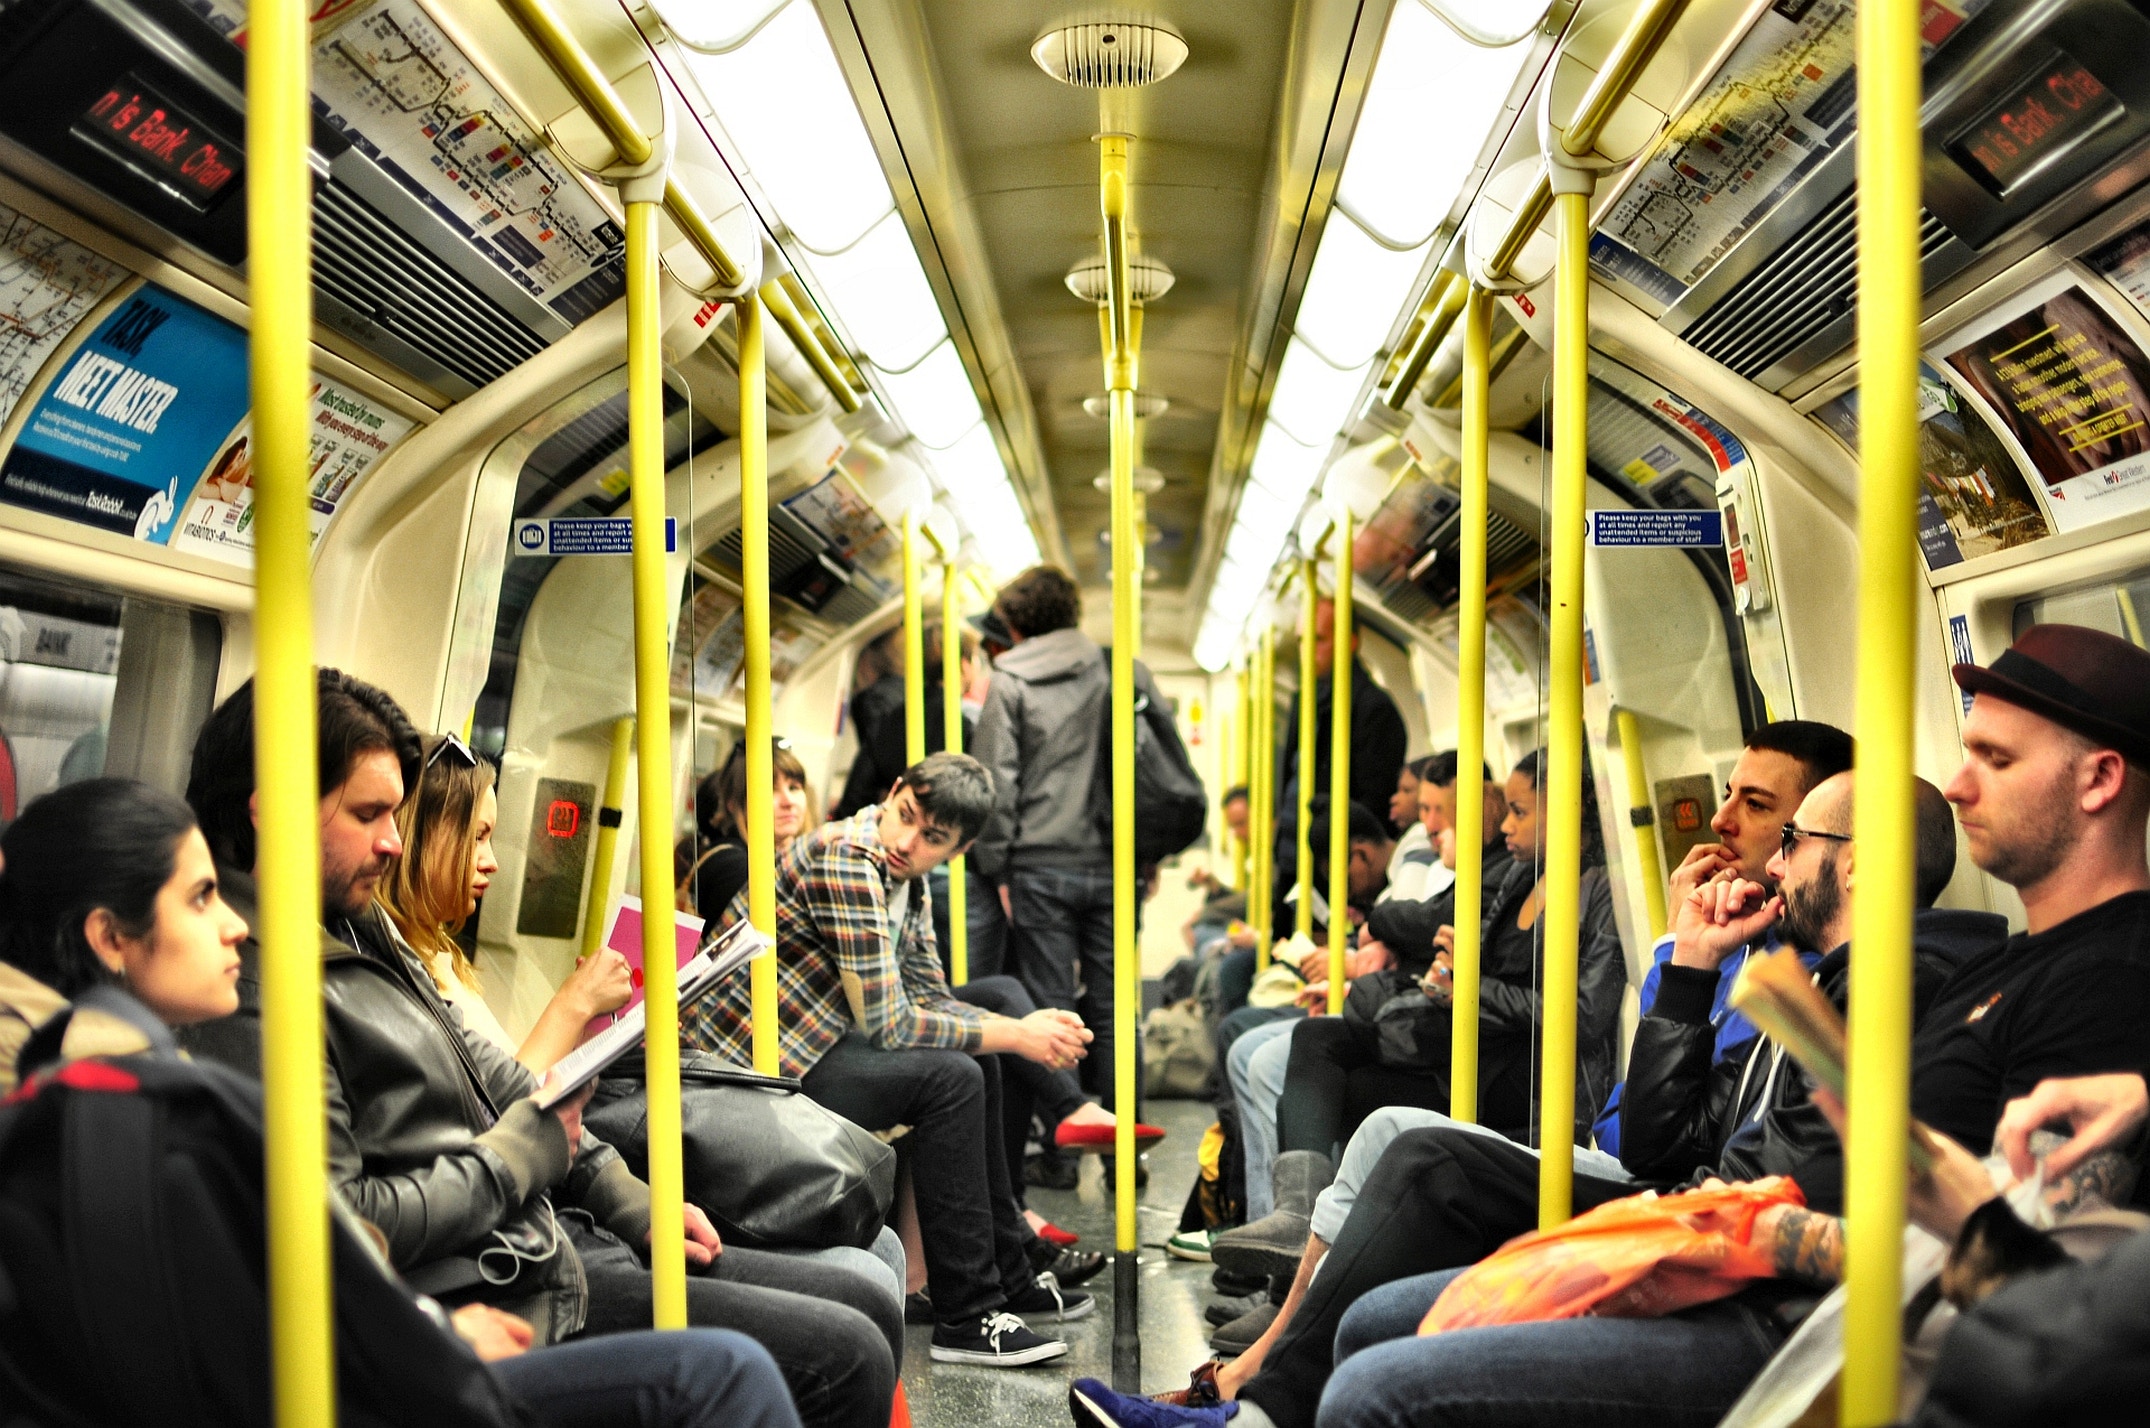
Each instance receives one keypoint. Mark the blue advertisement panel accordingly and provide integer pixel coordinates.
(119, 437)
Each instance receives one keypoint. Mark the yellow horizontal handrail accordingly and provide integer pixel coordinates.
(779, 304)
(1446, 302)
(1631, 54)
(594, 92)
(591, 89)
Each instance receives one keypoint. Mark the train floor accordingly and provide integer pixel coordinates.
(1174, 1336)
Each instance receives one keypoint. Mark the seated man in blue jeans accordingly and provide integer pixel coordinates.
(869, 1025)
(2054, 798)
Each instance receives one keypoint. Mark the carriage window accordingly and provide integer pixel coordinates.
(92, 682)
(2121, 608)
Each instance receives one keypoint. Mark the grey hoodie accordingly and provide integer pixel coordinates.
(1040, 734)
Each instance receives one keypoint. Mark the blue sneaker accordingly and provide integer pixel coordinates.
(1095, 1406)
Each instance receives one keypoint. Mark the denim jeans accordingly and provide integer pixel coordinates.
(831, 1331)
(1333, 1206)
(695, 1378)
(1336, 1078)
(1682, 1371)
(987, 950)
(974, 1234)
(1060, 937)
(1255, 1066)
(883, 1264)
(1026, 1088)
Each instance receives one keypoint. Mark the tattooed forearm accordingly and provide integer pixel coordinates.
(1806, 1245)
(2105, 1179)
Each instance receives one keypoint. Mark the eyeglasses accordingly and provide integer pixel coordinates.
(450, 743)
(1793, 833)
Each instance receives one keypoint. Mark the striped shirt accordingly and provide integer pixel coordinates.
(837, 968)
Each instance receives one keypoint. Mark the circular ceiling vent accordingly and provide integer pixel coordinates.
(1147, 279)
(1111, 54)
(1146, 405)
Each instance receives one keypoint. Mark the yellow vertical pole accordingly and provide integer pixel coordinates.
(1241, 765)
(754, 620)
(1340, 768)
(952, 740)
(608, 836)
(1560, 801)
(1643, 819)
(279, 198)
(1121, 335)
(1303, 912)
(914, 645)
(653, 737)
(1882, 807)
(1470, 712)
(1262, 815)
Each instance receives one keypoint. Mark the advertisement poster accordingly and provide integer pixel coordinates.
(137, 413)
(1974, 500)
(2074, 390)
(350, 434)
(2125, 263)
(711, 645)
(47, 286)
(834, 507)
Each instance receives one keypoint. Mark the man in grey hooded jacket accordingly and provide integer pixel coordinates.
(1046, 846)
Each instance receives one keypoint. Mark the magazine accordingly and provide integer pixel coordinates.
(723, 955)
(1777, 993)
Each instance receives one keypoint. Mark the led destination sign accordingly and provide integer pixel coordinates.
(140, 128)
(2036, 123)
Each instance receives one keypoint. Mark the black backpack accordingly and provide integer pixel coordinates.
(133, 1267)
(1171, 806)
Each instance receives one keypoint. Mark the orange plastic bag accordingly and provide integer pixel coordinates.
(1638, 1258)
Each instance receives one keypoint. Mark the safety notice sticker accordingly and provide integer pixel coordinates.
(582, 535)
(1642, 528)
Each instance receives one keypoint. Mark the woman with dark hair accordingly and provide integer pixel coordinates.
(1512, 966)
(446, 821)
(108, 895)
(710, 866)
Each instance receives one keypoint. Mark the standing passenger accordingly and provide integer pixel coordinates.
(1042, 734)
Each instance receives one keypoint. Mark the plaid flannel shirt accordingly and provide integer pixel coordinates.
(836, 967)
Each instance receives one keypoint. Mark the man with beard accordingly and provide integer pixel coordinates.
(434, 1135)
(2054, 797)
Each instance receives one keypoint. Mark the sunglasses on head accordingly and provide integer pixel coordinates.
(1793, 833)
(451, 744)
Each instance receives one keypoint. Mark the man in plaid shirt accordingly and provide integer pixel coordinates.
(867, 1021)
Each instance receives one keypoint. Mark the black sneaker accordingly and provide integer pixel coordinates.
(918, 1308)
(994, 1341)
(1070, 1266)
(1046, 1298)
(1050, 1170)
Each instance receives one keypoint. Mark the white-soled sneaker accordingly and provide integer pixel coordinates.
(994, 1341)
(1048, 1299)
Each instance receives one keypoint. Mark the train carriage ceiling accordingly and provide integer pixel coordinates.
(1234, 163)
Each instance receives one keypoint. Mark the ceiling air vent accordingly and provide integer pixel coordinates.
(1806, 288)
(394, 297)
(1121, 54)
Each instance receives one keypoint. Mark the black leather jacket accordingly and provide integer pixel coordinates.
(1683, 1116)
(1511, 1010)
(433, 1137)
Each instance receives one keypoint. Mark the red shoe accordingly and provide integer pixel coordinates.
(1052, 1234)
(1099, 1138)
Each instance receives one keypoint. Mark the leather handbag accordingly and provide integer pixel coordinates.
(1408, 1029)
(770, 1167)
